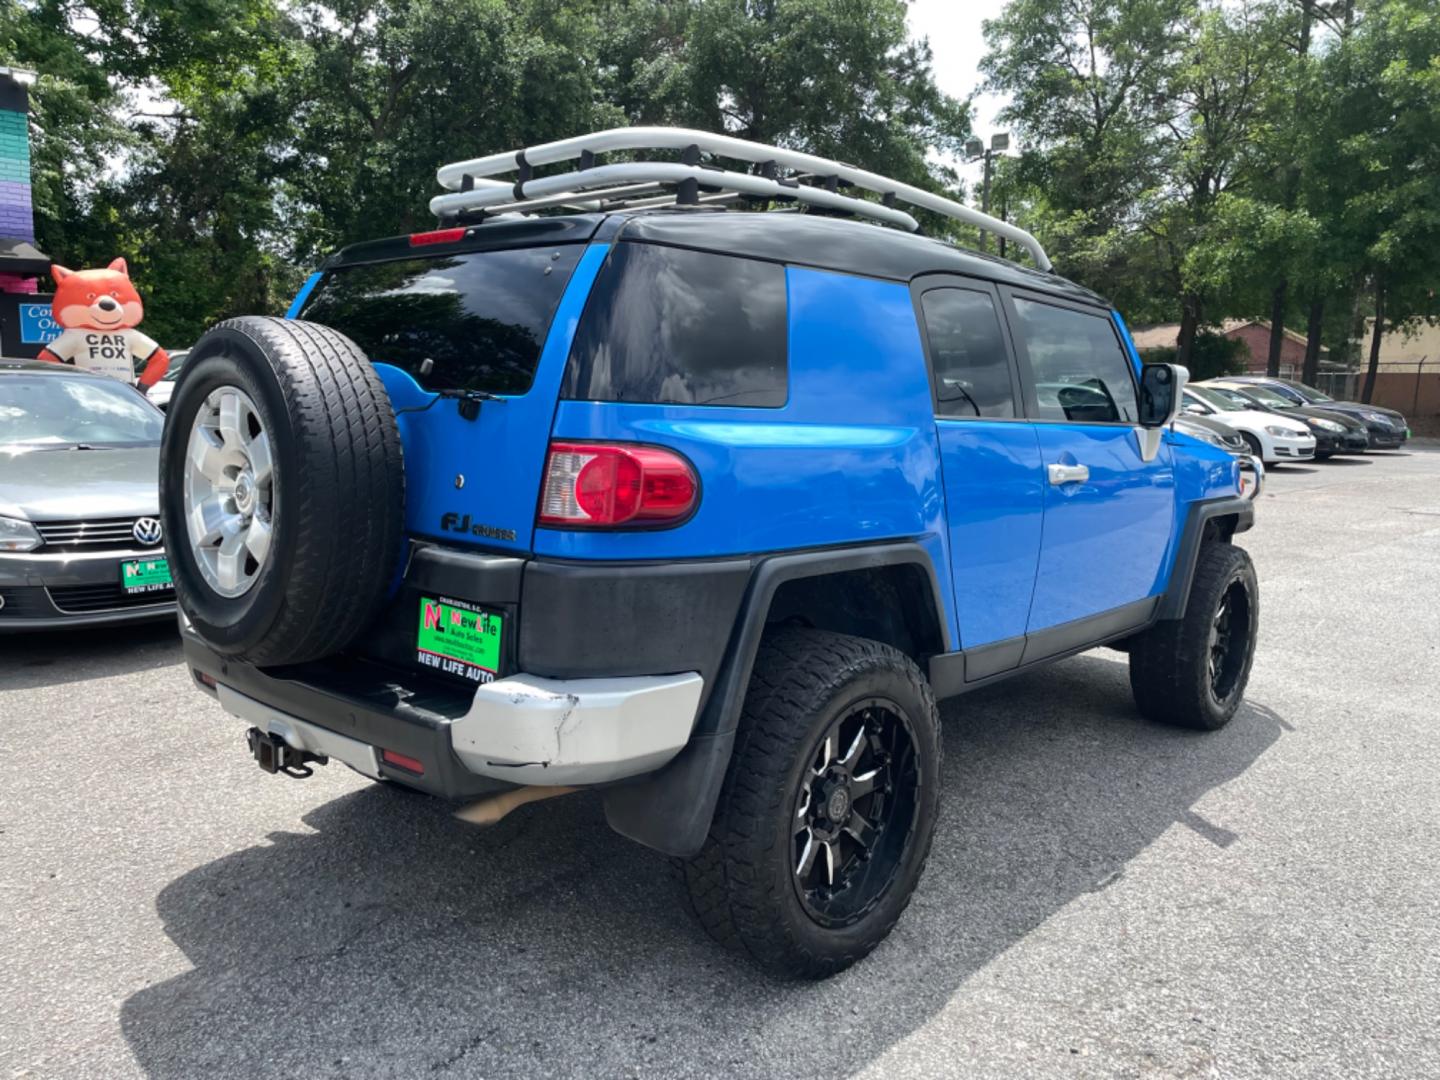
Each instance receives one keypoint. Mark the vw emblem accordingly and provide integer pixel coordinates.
(147, 532)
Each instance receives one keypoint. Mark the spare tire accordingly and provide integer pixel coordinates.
(282, 490)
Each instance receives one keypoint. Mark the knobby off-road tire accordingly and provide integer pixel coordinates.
(1192, 672)
(815, 695)
(334, 500)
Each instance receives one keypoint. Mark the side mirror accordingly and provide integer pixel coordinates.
(1160, 393)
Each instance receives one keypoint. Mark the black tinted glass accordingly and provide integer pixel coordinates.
(1081, 373)
(669, 326)
(967, 347)
(479, 318)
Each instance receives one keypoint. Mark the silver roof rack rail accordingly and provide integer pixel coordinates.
(470, 186)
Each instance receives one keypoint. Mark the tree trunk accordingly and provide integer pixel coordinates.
(1369, 390)
(1189, 326)
(1313, 330)
(1277, 329)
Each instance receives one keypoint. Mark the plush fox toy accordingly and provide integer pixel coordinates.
(99, 310)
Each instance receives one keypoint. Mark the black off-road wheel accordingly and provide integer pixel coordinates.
(1192, 672)
(282, 490)
(828, 810)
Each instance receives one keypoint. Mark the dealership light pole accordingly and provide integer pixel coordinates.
(975, 151)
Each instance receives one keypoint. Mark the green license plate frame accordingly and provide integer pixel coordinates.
(139, 576)
(459, 638)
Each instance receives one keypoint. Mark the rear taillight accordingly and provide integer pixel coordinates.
(436, 236)
(604, 485)
(403, 761)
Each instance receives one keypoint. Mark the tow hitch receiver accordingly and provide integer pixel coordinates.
(275, 755)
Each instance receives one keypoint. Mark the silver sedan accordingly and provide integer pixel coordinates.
(80, 535)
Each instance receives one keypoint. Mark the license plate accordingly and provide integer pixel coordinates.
(145, 576)
(458, 638)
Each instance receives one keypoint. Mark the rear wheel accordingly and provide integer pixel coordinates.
(829, 807)
(1192, 672)
(282, 490)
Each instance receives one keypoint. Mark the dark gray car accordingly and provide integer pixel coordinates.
(80, 537)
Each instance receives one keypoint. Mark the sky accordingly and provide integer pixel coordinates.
(953, 27)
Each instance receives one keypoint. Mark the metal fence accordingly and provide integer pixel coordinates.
(1340, 385)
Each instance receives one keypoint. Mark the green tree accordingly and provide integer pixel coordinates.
(1384, 134)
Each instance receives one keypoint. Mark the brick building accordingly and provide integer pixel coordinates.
(1255, 333)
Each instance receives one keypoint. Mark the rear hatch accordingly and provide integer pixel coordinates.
(461, 312)
(458, 324)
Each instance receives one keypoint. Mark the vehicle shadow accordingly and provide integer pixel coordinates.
(1349, 460)
(392, 940)
(58, 657)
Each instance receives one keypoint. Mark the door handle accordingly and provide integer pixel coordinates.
(1068, 474)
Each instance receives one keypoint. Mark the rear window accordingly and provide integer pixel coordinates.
(675, 327)
(480, 318)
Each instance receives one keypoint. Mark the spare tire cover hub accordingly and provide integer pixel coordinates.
(229, 491)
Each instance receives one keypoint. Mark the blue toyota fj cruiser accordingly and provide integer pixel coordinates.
(604, 485)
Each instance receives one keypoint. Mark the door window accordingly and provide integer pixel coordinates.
(1081, 373)
(967, 349)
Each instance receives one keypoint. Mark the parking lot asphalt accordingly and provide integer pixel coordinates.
(1106, 898)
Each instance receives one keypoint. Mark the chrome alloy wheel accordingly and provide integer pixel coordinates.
(229, 491)
(854, 814)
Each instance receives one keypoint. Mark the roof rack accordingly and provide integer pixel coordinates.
(816, 181)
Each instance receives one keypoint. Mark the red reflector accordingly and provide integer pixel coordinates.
(400, 761)
(602, 485)
(436, 236)
(208, 680)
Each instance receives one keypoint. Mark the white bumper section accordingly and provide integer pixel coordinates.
(576, 731)
(530, 730)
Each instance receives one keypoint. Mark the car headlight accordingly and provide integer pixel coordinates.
(1377, 418)
(1282, 432)
(1327, 425)
(18, 535)
(1206, 437)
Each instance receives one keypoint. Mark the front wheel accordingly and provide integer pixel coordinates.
(1191, 672)
(828, 809)
(1253, 443)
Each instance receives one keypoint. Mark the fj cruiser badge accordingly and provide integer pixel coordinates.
(453, 522)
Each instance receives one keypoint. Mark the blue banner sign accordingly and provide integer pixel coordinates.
(37, 326)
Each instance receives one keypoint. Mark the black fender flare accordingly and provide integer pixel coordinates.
(1177, 591)
(670, 810)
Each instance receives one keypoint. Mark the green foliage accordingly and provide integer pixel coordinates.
(1190, 159)
(1196, 159)
(225, 145)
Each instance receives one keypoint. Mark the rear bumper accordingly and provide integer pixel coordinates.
(522, 729)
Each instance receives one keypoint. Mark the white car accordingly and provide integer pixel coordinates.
(1271, 438)
(159, 394)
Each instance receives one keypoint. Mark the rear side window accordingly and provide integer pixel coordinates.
(967, 349)
(668, 326)
(480, 318)
(1081, 373)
